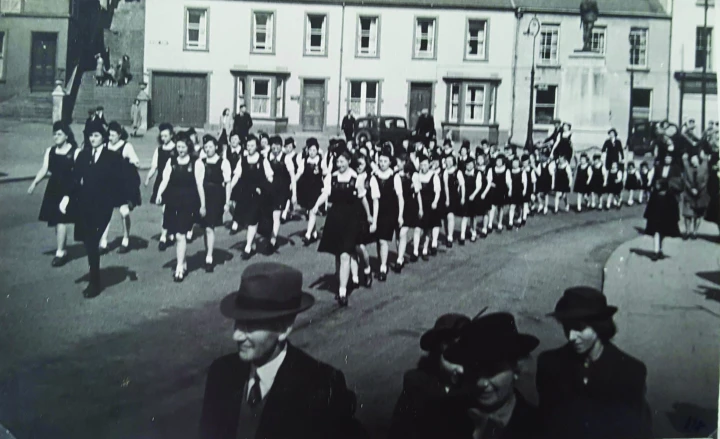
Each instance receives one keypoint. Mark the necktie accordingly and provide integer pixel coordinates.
(255, 395)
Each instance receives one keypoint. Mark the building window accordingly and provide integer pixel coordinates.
(263, 32)
(545, 104)
(425, 36)
(702, 54)
(280, 98)
(11, 6)
(475, 104)
(240, 98)
(196, 29)
(641, 104)
(368, 36)
(549, 40)
(638, 48)
(3, 50)
(454, 103)
(315, 34)
(599, 35)
(364, 99)
(476, 38)
(260, 97)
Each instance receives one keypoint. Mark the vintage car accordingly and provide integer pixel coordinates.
(644, 134)
(381, 129)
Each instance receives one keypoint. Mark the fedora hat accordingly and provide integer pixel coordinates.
(489, 340)
(582, 303)
(447, 328)
(268, 290)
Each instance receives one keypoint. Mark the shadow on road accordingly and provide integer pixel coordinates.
(710, 293)
(111, 276)
(74, 252)
(692, 420)
(196, 261)
(710, 238)
(646, 253)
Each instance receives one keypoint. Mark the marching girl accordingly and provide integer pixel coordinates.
(283, 185)
(372, 195)
(633, 183)
(597, 182)
(478, 198)
(430, 218)
(183, 192)
(344, 220)
(561, 178)
(390, 207)
(233, 153)
(310, 178)
(289, 151)
(253, 177)
(131, 182)
(614, 186)
(59, 160)
(437, 165)
(544, 183)
(454, 189)
(464, 154)
(470, 178)
(518, 189)
(410, 208)
(583, 181)
(161, 158)
(216, 175)
(264, 147)
(497, 191)
(531, 178)
(644, 193)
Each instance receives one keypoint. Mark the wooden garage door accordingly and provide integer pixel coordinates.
(180, 99)
(313, 105)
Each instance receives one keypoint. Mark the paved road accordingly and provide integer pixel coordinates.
(131, 363)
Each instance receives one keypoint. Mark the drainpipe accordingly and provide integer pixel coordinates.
(669, 73)
(518, 17)
(340, 74)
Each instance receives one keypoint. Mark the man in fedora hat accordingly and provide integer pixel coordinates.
(589, 388)
(270, 389)
(433, 378)
(489, 350)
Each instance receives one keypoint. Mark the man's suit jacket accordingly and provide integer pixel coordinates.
(611, 404)
(308, 399)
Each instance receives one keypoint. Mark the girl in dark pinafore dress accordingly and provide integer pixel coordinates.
(183, 193)
(480, 200)
(633, 183)
(431, 218)
(216, 175)
(597, 182)
(454, 189)
(283, 186)
(531, 178)
(470, 179)
(390, 189)
(233, 154)
(348, 211)
(59, 160)
(131, 182)
(311, 173)
(544, 183)
(561, 178)
(497, 191)
(614, 186)
(361, 164)
(517, 193)
(409, 207)
(583, 179)
(160, 159)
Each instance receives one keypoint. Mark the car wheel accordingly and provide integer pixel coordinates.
(362, 137)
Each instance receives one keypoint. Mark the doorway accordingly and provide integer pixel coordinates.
(43, 59)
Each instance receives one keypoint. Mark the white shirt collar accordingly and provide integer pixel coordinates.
(267, 373)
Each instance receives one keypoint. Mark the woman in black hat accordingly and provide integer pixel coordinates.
(59, 160)
(311, 173)
(117, 141)
(183, 192)
(589, 388)
(345, 219)
(433, 378)
(487, 405)
(216, 175)
(663, 210)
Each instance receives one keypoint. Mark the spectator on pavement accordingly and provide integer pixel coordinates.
(122, 73)
(434, 378)
(425, 127)
(612, 150)
(688, 131)
(662, 211)
(348, 125)
(695, 196)
(270, 388)
(589, 388)
(563, 144)
(490, 351)
(242, 123)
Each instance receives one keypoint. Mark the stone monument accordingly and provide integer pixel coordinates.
(589, 15)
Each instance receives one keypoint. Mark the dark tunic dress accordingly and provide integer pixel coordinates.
(310, 184)
(663, 210)
(388, 208)
(365, 237)
(531, 186)
(499, 193)
(454, 196)
(58, 186)
(214, 185)
(470, 208)
(181, 198)
(163, 157)
(518, 190)
(564, 149)
(614, 186)
(597, 182)
(633, 182)
(251, 190)
(131, 181)
(281, 191)
(581, 180)
(411, 208)
(431, 217)
(233, 158)
(544, 180)
(562, 180)
(645, 180)
(344, 219)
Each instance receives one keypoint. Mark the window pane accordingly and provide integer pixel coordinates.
(545, 96)
(2, 44)
(545, 105)
(261, 87)
(194, 35)
(316, 22)
(194, 17)
(365, 24)
(316, 41)
(356, 89)
(641, 97)
(371, 90)
(261, 19)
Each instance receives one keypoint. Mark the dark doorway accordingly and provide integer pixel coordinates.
(43, 59)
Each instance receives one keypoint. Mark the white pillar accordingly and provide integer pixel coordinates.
(58, 95)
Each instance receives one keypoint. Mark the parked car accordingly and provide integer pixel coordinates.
(644, 135)
(381, 129)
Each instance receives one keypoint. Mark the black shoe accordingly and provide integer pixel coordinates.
(209, 267)
(461, 242)
(92, 290)
(352, 285)
(684, 236)
(500, 230)
(343, 301)
(247, 255)
(414, 257)
(103, 250)
(382, 276)
(473, 238)
(59, 261)
(693, 236)
(397, 267)
(162, 246)
(425, 257)
(483, 235)
(123, 249)
(368, 280)
(433, 251)
(179, 277)
(449, 244)
(234, 231)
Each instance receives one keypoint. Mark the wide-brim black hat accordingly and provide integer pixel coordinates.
(447, 328)
(268, 291)
(579, 303)
(490, 340)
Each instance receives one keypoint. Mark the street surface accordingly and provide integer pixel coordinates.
(132, 362)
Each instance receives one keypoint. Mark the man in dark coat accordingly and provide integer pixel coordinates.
(488, 405)
(589, 388)
(97, 183)
(242, 124)
(425, 127)
(348, 125)
(270, 389)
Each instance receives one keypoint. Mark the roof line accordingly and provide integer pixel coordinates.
(559, 11)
